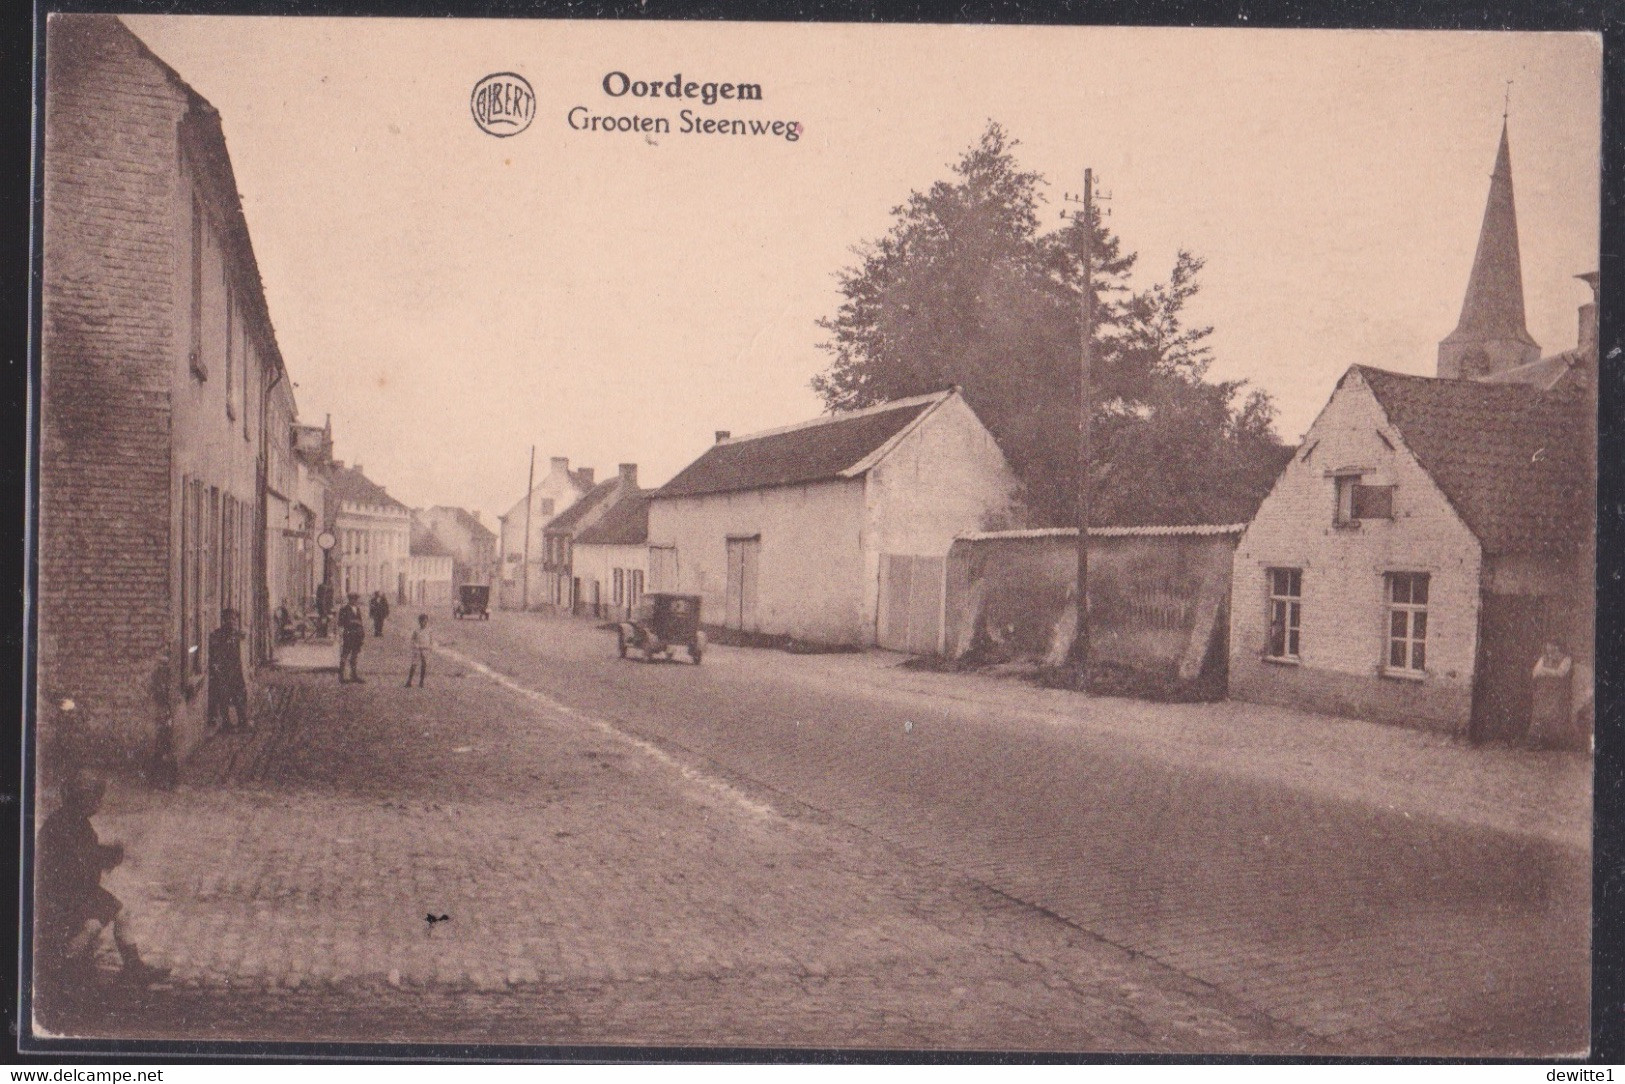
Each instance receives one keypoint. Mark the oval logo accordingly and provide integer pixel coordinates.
(503, 104)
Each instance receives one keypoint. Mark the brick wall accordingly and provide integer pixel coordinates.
(1344, 609)
(109, 175)
(124, 419)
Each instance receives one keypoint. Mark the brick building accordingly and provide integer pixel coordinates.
(159, 365)
(1431, 532)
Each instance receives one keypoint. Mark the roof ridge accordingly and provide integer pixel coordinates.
(841, 416)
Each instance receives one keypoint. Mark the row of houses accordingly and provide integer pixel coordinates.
(1420, 545)
(176, 479)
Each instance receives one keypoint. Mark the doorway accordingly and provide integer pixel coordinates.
(911, 594)
(1511, 631)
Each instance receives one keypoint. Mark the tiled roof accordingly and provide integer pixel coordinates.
(814, 451)
(425, 543)
(568, 519)
(625, 524)
(349, 484)
(468, 521)
(1508, 457)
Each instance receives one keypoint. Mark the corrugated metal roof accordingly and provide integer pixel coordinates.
(1192, 531)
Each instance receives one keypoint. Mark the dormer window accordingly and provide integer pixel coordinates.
(1357, 500)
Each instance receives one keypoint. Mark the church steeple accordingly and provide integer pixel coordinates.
(1491, 335)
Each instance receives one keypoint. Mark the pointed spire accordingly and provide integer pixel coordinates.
(1491, 334)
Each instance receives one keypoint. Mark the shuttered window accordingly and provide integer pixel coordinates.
(1373, 502)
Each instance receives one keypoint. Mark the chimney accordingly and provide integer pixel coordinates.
(1588, 326)
(560, 462)
(629, 475)
(585, 474)
(1588, 313)
(722, 435)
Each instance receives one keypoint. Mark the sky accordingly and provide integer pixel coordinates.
(452, 298)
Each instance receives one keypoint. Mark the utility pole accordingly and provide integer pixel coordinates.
(1078, 660)
(530, 487)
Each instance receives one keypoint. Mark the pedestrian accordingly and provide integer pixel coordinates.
(378, 608)
(227, 687)
(74, 907)
(422, 644)
(1550, 707)
(352, 632)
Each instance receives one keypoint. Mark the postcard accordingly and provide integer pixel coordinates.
(937, 538)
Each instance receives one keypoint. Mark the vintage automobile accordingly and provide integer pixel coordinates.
(664, 622)
(473, 600)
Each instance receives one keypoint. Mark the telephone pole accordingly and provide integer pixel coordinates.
(530, 486)
(1079, 659)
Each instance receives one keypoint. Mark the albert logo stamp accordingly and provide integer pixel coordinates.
(503, 104)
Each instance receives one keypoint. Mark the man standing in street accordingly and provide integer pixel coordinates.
(378, 608)
(351, 633)
(227, 688)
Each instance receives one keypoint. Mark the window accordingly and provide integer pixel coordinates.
(1285, 612)
(199, 370)
(231, 351)
(618, 586)
(1357, 501)
(244, 326)
(634, 592)
(1407, 622)
(192, 576)
(1373, 502)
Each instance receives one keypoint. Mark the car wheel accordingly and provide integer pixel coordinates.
(620, 641)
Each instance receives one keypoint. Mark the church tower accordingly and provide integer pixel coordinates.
(1491, 336)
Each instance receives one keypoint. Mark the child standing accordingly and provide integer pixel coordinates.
(422, 644)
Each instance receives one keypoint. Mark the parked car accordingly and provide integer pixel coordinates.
(664, 622)
(473, 600)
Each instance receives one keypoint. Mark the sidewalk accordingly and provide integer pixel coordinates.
(1519, 792)
(597, 892)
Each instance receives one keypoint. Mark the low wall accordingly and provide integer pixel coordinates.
(1158, 597)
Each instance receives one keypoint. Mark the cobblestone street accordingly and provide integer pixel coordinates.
(1366, 887)
(599, 890)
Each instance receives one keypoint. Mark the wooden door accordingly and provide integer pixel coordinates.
(744, 558)
(910, 603)
(1511, 629)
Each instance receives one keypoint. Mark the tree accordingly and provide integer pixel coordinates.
(966, 289)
